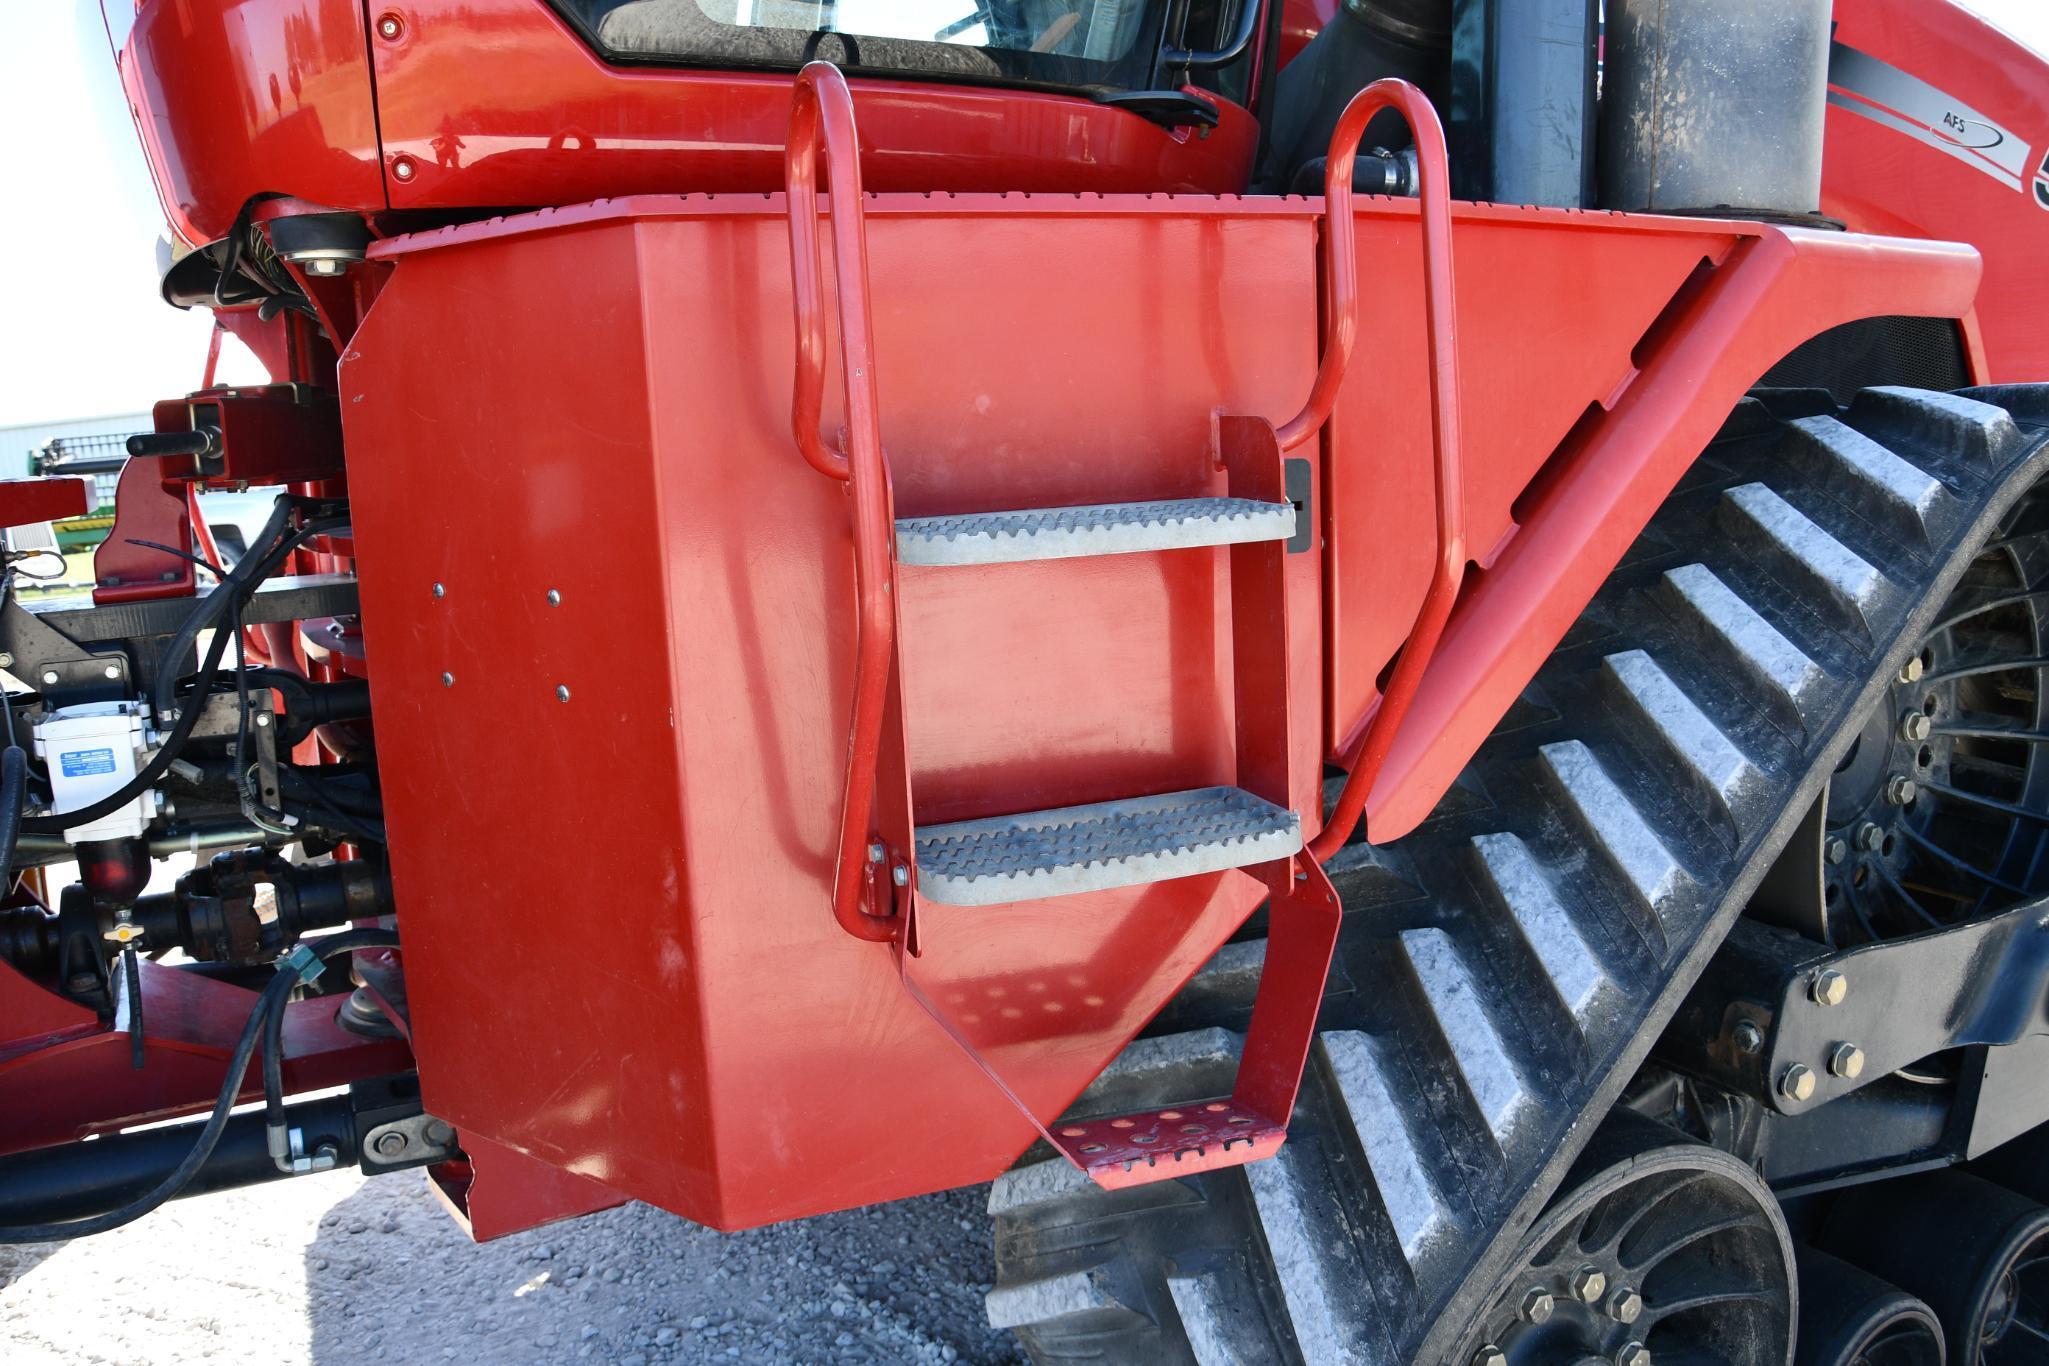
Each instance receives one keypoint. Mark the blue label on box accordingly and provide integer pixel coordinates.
(84, 763)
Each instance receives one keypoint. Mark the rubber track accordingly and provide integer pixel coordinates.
(1503, 970)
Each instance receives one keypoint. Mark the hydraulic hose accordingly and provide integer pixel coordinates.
(13, 793)
(271, 1001)
(274, 993)
(217, 603)
(210, 610)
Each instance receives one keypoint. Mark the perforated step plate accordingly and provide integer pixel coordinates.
(1094, 529)
(1107, 844)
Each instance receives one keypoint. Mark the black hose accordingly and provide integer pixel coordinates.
(13, 793)
(214, 605)
(188, 717)
(272, 1000)
(132, 974)
(274, 1029)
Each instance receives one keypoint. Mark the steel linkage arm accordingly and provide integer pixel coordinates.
(823, 114)
(1440, 321)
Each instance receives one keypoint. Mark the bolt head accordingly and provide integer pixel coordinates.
(561, 692)
(440, 1134)
(49, 676)
(402, 169)
(1490, 1355)
(262, 719)
(876, 853)
(901, 875)
(448, 680)
(390, 1143)
(1747, 1036)
(1536, 1306)
(1870, 838)
(6, 660)
(1588, 1284)
(1910, 672)
(112, 671)
(1846, 1060)
(1900, 790)
(1797, 1083)
(554, 598)
(1633, 1354)
(1916, 726)
(440, 591)
(1829, 988)
(1625, 1305)
(322, 265)
(389, 27)
(1836, 849)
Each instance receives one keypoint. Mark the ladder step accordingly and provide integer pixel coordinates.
(1094, 529)
(1102, 845)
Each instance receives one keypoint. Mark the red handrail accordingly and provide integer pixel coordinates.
(1440, 321)
(823, 112)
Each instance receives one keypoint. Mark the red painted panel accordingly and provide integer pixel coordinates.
(1774, 291)
(1537, 346)
(497, 102)
(714, 1042)
(234, 98)
(1885, 179)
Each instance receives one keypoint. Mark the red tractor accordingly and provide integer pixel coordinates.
(1388, 656)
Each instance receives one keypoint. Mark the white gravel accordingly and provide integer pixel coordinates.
(339, 1269)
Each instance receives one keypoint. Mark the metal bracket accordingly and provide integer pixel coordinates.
(63, 670)
(392, 1131)
(1204, 1135)
(1787, 1022)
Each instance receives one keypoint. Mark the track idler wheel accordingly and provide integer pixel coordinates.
(1976, 1253)
(1658, 1249)
(1851, 1318)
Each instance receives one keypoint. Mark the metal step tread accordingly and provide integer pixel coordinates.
(1102, 845)
(1091, 529)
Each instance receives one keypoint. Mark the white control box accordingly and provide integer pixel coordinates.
(91, 751)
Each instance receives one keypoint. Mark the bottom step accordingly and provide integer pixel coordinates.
(1103, 845)
(1132, 1150)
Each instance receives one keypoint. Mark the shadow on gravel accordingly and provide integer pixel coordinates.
(391, 1278)
(18, 1259)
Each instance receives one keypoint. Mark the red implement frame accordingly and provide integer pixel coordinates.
(1304, 907)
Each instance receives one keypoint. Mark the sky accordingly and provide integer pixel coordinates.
(84, 333)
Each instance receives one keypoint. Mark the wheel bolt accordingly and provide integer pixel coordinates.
(1537, 1306)
(1633, 1354)
(1915, 726)
(1846, 1060)
(1490, 1355)
(1796, 1083)
(1624, 1305)
(1900, 790)
(1910, 672)
(1836, 849)
(1588, 1284)
(1829, 988)
(1870, 837)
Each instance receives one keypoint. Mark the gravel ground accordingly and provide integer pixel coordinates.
(340, 1269)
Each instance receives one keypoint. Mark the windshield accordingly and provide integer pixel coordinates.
(1065, 42)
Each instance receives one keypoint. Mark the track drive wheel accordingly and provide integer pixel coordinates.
(1658, 1250)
